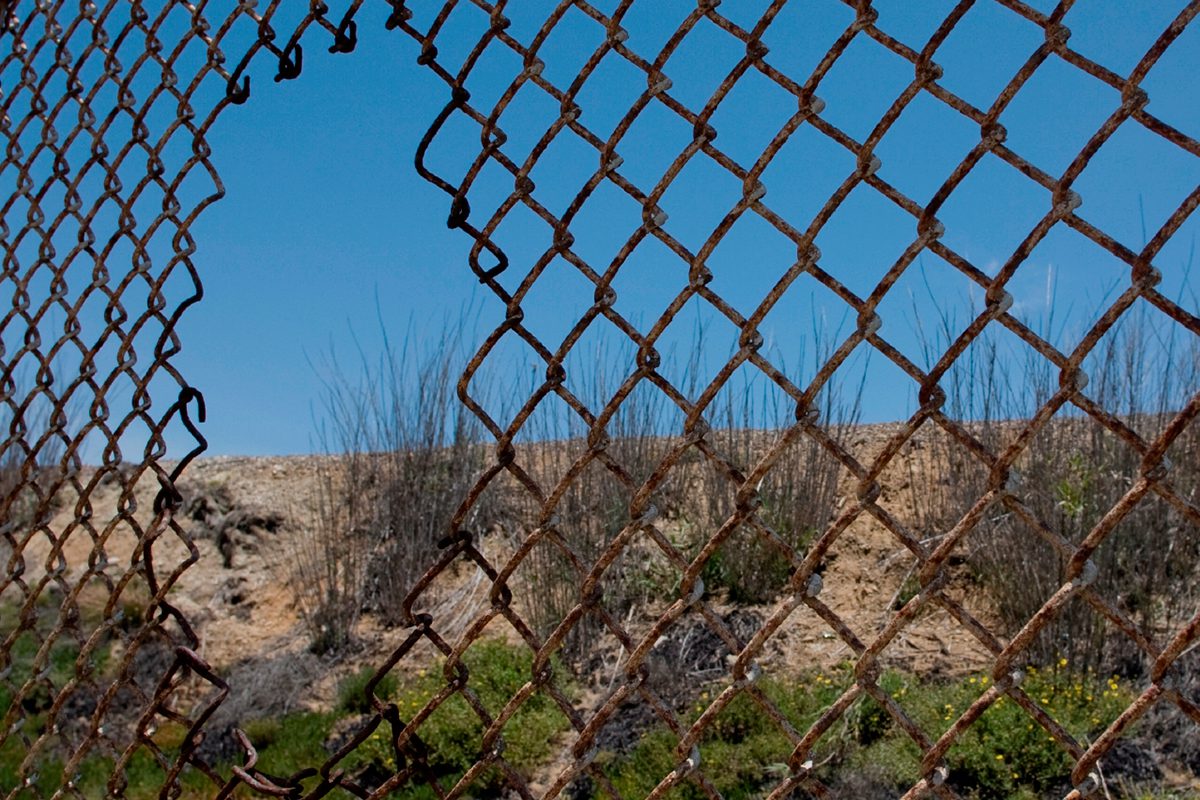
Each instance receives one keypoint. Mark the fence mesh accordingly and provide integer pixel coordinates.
(106, 108)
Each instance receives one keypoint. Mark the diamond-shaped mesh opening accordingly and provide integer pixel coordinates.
(748, 262)
(1013, 206)
(651, 144)
(1166, 102)
(800, 41)
(745, 13)
(912, 25)
(856, 263)
(610, 92)
(648, 282)
(1100, 34)
(1056, 113)
(920, 320)
(701, 63)
(984, 51)
(1130, 209)
(1060, 260)
(570, 45)
(563, 172)
(856, 105)
(1141, 370)
(698, 201)
(497, 69)
(1154, 595)
(605, 224)
(806, 172)
(685, 366)
(802, 329)
(457, 35)
(537, 111)
(651, 28)
(914, 168)
(751, 116)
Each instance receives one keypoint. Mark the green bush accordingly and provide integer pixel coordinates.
(1005, 753)
(742, 751)
(352, 692)
(453, 732)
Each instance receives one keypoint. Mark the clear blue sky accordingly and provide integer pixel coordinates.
(326, 221)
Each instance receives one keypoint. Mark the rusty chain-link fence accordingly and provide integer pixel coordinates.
(106, 109)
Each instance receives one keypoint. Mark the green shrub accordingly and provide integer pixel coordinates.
(352, 692)
(453, 732)
(742, 751)
(1005, 753)
(262, 733)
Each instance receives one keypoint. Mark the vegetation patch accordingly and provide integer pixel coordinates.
(1006, 753)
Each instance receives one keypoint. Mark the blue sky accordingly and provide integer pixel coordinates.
(327, 231)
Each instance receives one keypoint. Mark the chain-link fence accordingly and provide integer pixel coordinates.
(106, 108)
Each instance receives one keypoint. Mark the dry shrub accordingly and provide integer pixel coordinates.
(594, 497)
(796, 497)
(404, 453)
(31, 472)
(579, 519)
(327, 559)
(1072, 472)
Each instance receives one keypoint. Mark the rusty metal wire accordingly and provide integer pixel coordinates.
(106, 107)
